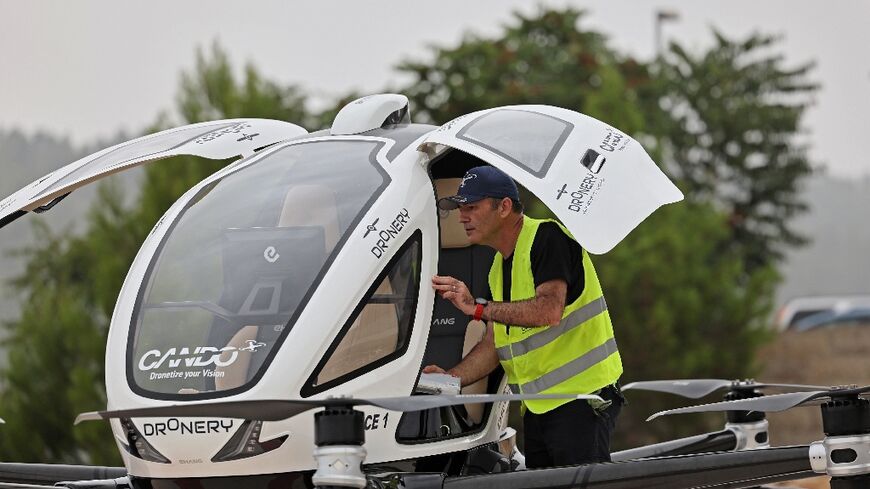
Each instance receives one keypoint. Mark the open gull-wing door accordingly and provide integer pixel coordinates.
(597, 180)
(214, 140)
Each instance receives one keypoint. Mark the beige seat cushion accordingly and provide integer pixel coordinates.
(373, 335)
(312, 205)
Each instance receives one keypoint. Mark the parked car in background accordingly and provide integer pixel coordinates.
(860, 315)
(802, 313)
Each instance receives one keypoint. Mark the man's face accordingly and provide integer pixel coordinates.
(481, 221)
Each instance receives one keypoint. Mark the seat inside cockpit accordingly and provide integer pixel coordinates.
(310, 215)
(371, 335)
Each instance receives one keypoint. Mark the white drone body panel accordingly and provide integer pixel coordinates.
(303, 272)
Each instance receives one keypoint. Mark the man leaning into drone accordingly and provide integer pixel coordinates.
(548, 323)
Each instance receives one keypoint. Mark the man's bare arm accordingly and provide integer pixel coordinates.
(544, 309)
(480, 361)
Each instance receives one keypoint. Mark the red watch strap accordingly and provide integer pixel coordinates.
(478, 312)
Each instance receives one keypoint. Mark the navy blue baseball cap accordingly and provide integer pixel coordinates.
(481, 182)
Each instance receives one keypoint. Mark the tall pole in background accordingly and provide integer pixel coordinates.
(661, 17)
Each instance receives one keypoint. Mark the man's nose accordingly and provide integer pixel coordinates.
(463, 216)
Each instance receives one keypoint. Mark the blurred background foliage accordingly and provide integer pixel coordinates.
(690, 291)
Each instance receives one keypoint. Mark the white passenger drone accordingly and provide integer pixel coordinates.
(281, 309)
(298, 277)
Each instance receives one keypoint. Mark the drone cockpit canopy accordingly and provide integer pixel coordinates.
(242, 257)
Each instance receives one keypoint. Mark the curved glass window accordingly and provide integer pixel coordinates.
(239, 264)
(147, 146)
(529, 140)
(380, 326)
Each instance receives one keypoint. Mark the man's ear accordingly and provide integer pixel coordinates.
(505, 207)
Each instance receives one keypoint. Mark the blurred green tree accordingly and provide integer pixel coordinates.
(55, 368)
(543, 58)
(682, 308)
(734, 138)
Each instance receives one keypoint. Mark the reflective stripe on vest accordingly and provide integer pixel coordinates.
(570, 369)
(569, 322)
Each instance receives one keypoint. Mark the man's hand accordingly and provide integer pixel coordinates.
(480, 361)
(433, 369)
(454, 291)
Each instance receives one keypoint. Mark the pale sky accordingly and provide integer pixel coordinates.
(89, 68)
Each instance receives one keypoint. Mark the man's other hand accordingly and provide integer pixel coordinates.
(454, 291)
(433, 369)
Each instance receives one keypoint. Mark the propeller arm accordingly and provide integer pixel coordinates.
(731, 469)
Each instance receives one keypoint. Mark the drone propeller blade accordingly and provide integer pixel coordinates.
(766, 404)
(265, 410)
(419, 403)
(697, 388)
(275, 410)
(794, 387)
(691, 388)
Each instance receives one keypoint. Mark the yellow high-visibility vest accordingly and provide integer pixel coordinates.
(577, 356)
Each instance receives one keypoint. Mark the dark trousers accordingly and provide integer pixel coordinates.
(571, 434)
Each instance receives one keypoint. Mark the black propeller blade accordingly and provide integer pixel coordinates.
(275, 410)
(697, 388)
(691, 388)
(767, 404)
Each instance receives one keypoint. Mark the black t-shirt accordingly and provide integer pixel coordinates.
(554, 256)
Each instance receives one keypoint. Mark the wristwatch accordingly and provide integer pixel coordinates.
(480, 303)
